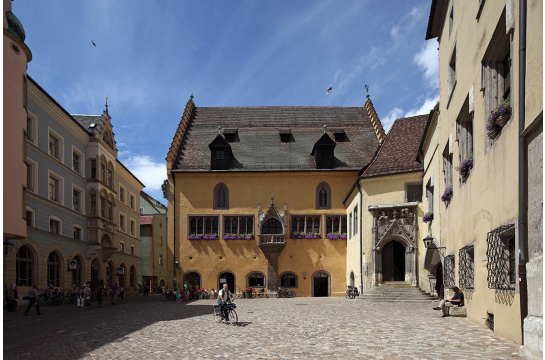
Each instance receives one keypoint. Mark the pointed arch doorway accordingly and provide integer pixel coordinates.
(393, 261)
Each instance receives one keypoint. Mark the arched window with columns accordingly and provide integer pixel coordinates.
(221, 197)
(323, 196)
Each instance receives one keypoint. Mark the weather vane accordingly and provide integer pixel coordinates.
(367, 88)
(324, 128)
(219, 129)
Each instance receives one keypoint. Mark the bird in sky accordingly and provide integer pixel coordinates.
(94, 43)
(327, 92)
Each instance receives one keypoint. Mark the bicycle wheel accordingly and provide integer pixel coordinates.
(278, 294)
(217, 315)
(347, 295)
(233, 317)
(262, 294)
(254, 294)
(292, 294)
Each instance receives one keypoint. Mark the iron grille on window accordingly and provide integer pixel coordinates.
(501, 258)
(450, 276)
(466, 271)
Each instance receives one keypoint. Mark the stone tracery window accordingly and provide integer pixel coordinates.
(323, 196)
(221, 197)
(305, 224)
(272, 227)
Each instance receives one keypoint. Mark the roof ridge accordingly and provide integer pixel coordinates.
(379, 150)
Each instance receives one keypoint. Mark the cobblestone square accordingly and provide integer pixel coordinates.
(299, 328)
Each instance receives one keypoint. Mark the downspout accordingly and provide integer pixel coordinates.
(174, 224)
(523, 165)
(361, 235)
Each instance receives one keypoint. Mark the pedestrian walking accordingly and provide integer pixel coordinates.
(146, 290)
(86, 295)
(79, 297)
(113, 292)
(121, 292)
(33, 300)
(100, 295)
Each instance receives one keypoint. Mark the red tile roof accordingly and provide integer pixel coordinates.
(398, 152)
(146, 220)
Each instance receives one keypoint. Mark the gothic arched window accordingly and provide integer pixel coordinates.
(272, 227)
(323, 196)
(221, 197)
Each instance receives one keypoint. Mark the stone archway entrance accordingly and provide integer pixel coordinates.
(228, 278)
(394, 248)
(320, 284)
(393, 262)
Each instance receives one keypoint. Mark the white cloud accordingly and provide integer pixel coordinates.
(394, 33)
(121, 144)
(387, 121)
(427, 59)
(150, 173)
(426, 107)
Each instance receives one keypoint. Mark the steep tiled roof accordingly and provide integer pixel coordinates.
(398, 151)
(86, 120)
(146, 220)
(156, 205)
(257, 145)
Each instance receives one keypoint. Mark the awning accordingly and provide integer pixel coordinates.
(432, 258)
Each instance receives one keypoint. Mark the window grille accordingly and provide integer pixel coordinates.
(466, 268)
(501, 258)
(450, 276)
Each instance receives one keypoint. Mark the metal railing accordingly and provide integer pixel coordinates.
(430, 289)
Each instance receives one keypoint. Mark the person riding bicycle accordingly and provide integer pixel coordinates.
(223, 296)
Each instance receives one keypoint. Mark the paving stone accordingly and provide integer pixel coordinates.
(299, 328)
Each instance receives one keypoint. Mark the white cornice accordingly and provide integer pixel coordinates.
(418, 175)
(52, 109)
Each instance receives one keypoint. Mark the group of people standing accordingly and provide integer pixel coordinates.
(82, 295)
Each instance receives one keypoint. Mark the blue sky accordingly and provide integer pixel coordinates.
(149, 55)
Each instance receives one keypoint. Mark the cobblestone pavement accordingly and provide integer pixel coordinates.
(299, 328)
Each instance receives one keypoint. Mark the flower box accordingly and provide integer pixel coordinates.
(498, 118)
(465, 166)
(343, 236)
(428, 217)
(447, 195)
(503, 119)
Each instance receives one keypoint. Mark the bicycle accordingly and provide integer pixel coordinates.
(263, 294)
(351, 292)
(232, 316)
(285, 293)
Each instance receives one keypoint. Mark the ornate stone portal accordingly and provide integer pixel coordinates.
(396, 222)
(272, 244)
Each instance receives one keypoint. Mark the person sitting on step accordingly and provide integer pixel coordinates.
(457, 299)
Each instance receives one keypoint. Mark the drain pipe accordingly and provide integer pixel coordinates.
(174, 223)
(523, 165)
(361, 235)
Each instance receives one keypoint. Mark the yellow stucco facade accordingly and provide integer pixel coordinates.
(487, 198)
(193, 195)
(383, 193)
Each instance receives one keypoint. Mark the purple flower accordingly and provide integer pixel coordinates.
(447, 195)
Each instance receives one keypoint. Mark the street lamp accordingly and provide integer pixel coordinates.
(8, 246)
(428, 242)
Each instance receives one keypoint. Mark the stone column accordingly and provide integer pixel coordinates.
(272, 269)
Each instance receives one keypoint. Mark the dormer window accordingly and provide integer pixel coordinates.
(230, 135)
(220, 154)
(339, 134)
(285, 135)
(323, 152)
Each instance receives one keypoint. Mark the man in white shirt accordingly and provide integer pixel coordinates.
(87, 295)
(224, 295)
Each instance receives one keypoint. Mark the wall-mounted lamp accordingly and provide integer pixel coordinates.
(8, 246)
(428, 242)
